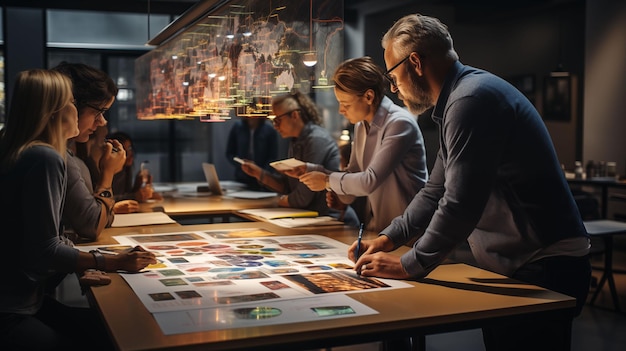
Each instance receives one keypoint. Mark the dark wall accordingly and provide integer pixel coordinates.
(512, 43)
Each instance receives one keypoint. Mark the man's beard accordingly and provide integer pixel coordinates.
(419, 99)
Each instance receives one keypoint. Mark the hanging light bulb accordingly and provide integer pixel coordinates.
(345, 135)
(559, 71)
(309, 59)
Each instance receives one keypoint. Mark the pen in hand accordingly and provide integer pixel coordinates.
(358, 243)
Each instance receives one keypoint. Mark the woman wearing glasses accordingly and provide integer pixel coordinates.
(33, 144)
(388, 160)
(88, 208)
(297, 118)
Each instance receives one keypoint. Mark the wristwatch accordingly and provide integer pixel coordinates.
(99, 258)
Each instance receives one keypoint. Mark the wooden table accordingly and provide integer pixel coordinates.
(606, 229)
(453, 297)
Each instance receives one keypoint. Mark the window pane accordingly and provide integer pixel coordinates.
(67, 28)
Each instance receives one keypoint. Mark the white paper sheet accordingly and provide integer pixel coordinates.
(317, 308)
(248, 194)
(304, 222)
(280, 212)
(141, 218)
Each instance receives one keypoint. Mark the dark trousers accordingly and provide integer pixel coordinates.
(54, 327)
(564, 274)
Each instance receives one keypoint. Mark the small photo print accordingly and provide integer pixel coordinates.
(275, 285)
(307, 255)
(341, 265)
(319, 267)
(327, 311)
(194, 279)
(257, 312)
(243, 275)
(193, 243)
(173, 282)
(188, 294)
(303, 262)
(278, 263)
(164, 296)
(284, 270)
(306, 246)
(171, 272)
(209, 284)
(246, 298)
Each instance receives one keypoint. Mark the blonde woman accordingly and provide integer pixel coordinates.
(41, 119)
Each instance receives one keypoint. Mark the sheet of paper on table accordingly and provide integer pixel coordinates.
(304, 222)
(249, 194)
(280, 212)
(141, 218)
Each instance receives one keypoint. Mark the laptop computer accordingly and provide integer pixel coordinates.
(211, 178)
(235, 189)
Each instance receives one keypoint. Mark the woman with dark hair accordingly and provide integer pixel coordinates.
(88, 208)
(388, 159)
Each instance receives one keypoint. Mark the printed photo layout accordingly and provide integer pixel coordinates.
(225, 268)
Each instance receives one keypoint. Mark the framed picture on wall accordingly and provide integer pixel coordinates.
(557, 98)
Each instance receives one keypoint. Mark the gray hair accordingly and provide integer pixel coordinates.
(422, 34)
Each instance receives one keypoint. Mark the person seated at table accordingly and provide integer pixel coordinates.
(42, 117)
(254, 139)
(128, 185)
(297, 118)
(87, 212)
(388, 160)
(497, 183)
(90, 153)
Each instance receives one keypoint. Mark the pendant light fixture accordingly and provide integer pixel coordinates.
(559, 71)
(310, 58)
